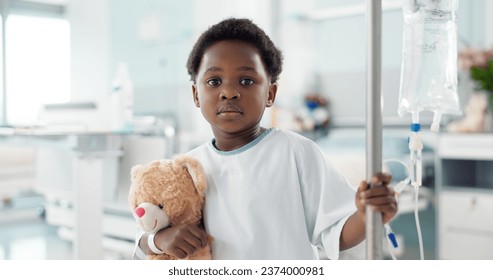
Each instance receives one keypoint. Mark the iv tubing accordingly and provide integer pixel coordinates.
(418, 226)
(415, 149)
(391, 240)
(435, 125)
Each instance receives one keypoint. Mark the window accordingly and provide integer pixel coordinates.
(35, 52)
(37, 65)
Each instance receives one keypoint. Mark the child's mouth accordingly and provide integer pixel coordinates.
(229, 111)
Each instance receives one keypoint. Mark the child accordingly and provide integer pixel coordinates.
(271, 193)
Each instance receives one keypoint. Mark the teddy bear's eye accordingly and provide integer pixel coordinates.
(160, 206)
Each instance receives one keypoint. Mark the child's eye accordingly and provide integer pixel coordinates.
(246, 82)
(213, 82)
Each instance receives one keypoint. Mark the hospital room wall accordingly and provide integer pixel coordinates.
(90, 48)
(155, 36)
(341, 58)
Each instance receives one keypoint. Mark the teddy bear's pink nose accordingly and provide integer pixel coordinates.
(140, 212)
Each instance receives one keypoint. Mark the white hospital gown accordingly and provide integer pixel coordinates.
(274, 198)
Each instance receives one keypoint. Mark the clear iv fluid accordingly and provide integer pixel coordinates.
(429, 62)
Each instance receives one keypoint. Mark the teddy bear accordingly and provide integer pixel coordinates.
(475, 115)
(169, 193)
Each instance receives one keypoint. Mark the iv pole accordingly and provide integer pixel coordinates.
(374, 227)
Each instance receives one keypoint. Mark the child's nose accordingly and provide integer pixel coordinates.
(230, 93)
(140, 212)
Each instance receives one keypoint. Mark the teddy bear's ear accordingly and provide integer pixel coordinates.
(196, 171)
(135, 171)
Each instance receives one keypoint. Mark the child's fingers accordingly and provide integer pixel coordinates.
(190, 242)
(378, 179)
(377, 191)
(380, 200)
(381, 178)
(194, 241)
(182, 241)
(185, 248)
(363, 185)
(200, 240)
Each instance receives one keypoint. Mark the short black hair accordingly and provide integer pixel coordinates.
(241, 29)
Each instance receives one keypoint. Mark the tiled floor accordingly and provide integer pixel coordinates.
(25, 235)
(32, 239)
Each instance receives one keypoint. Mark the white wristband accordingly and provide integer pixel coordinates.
(152, 246)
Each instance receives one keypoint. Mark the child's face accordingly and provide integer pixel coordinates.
(233, 88)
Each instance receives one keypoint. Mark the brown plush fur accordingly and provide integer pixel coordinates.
(179, 186)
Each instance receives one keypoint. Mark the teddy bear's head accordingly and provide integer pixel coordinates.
(167, 192)
(475, 115)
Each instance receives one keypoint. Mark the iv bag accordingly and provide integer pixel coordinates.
(429, 58)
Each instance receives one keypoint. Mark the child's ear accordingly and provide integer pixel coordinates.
(272, 95)
(195, 95)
